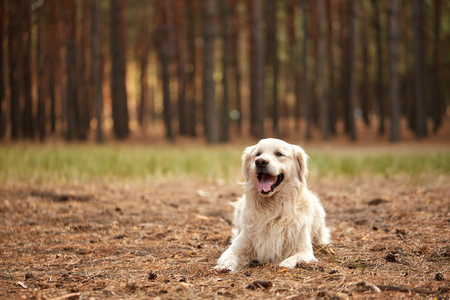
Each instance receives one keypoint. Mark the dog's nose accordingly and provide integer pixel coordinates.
(261, 163)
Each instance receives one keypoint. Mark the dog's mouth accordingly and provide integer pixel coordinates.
(267, 183)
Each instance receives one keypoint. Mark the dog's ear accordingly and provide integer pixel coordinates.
(302, 164)
(246, 162)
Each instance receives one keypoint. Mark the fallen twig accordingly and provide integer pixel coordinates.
(380, 287)
(374, 288)
(22, 285)
(67, 296)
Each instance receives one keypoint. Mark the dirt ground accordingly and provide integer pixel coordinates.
(161, 240)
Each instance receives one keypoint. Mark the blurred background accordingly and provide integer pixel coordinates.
(224, 70)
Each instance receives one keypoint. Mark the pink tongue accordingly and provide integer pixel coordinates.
(266, 183)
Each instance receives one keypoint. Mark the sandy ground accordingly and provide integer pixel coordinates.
(161, 240)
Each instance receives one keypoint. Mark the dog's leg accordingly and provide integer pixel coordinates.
(323, 236)
(320, 233)
(304, 252)
(236, 255)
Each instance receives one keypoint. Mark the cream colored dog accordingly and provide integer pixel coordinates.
(277, 219)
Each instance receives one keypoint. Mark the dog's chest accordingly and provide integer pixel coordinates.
(275, 240)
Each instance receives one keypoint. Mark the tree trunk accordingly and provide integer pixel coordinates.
(297, 68)
(364, 85)
(68, 13)
(234, 53)
(143, 86)
(2, 69)
(83, 117)
(28, 120)
(142, 53)
(225, 118)
(419, 68)
(321, 86)
(314, 108)
(96, 70)
(191, 119)
(257, 101)
(305, 71)
(118, 75)
(343, 63)
(40, 78)
(272, 58)
(181, 74)
(210, 122)
(291, 72)
(438, 105)
(332, 97)
(351, 72)
(53, 60)
(166, 53)
(379, 54)
(14, 58)
(393, 73)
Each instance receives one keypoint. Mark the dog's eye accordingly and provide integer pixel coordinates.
(279, 154)
(258, 154)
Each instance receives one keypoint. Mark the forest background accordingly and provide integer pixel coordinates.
(222, 70)
(174, 90)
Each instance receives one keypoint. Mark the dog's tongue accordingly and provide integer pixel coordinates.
(265, 184)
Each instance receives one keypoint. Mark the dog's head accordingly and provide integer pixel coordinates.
(272, 163)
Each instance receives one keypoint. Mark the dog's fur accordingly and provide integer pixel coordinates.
(280, 224)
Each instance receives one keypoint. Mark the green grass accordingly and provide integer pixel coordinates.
(383, 163)
(78, 164)
(82, 163)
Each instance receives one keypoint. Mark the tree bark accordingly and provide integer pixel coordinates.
(210, 122)
(96, 70)
(351, 72)
(365, 94)
(305, 71)
(272, 58)
(234, 53)
(83, 117)
(142, 53)
(40, 78)
(257, 100)
(68, 13)
(419, 68)
(2, 74)
(438, 106)
(118, 75)
(380, 66)
(393, 73)
(181, 74)
(332, 97)
(28, 117)
(191, 119)
(14, 58)
(225, 118)
(166, 53)
(53, 59)
(321, 86)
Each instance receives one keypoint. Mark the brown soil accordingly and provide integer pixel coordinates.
(390, 240)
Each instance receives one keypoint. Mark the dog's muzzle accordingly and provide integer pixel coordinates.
(267, 183)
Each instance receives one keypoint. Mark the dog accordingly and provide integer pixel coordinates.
(278, 219)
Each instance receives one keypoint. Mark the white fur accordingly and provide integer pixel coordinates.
(278, 227)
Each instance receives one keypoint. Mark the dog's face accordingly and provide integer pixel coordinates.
(272, 163)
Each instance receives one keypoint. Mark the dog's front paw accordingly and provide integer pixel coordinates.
(224, 268)
(227, 262)
(289, 262)
(292, 261)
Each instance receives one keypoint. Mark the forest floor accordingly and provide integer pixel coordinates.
(390, 239)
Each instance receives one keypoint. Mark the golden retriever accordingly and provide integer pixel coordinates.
(278, 218)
